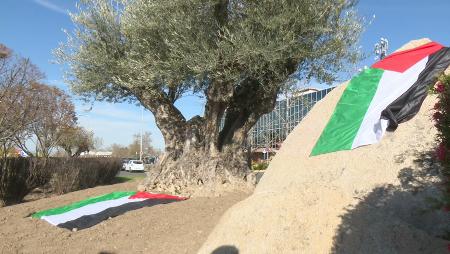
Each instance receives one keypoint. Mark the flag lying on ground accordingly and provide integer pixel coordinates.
(381, 97)
(91, 211)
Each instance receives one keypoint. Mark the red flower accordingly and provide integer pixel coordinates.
(439, 87)
(441, 152)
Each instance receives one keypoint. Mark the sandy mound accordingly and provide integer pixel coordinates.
(369, 200)
(174, 228)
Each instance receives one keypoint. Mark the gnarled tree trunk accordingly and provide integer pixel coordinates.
(200, 155)
(199, 152)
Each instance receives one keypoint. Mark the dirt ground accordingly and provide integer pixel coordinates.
(179, 227)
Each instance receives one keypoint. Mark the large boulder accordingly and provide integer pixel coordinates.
(368, 200)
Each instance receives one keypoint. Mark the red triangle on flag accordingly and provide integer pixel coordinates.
(403, 60)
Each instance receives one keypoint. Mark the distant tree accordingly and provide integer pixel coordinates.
(4, 51)
(119, 151)
(147, 147)
(54, 117)
(133, 149)
(76, 140)
(17, 109)
(97, 143)
(238, 54)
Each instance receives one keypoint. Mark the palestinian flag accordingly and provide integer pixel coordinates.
(379, 98)
(89, 212)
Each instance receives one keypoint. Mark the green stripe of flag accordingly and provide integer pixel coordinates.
(349, 113)
(63, 209)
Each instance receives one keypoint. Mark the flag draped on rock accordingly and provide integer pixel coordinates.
(381, 97)
(89, 212)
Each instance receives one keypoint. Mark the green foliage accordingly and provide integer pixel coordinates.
(123, 179)
(121, 49)
(442, 123)
(260, 165)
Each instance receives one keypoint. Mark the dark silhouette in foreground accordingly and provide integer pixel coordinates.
(226, 249)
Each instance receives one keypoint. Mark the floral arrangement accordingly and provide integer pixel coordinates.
(441, 118)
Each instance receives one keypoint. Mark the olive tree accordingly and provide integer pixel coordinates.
(237, 54)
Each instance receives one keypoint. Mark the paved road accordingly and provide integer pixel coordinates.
(258, 176)
(131, 174)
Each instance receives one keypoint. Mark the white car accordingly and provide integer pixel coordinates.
(124, 164)
(135, 165)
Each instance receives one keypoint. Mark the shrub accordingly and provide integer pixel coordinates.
(19, 176)
(441, 117)
(81, 173)
(260, 165)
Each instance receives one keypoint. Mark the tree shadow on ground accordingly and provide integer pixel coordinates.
(398, 219)
(122, 179)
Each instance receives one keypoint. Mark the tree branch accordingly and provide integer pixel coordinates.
(168, 118)
(250, 101)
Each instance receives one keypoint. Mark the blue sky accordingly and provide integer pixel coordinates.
(33, 28)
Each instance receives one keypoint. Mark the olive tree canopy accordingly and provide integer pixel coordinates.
(237, 54)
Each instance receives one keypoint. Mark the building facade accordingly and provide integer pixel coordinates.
(272, 129)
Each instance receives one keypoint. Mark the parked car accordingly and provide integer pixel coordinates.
(124, 164)
(135, 165)
(149, 160)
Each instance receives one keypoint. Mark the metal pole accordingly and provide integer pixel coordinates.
(287, 119)
(142, 123)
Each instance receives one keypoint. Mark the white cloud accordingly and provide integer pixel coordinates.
(50, 6)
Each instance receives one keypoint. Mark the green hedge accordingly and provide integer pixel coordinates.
(441, 118)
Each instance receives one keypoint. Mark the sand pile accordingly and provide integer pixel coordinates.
(369, 200)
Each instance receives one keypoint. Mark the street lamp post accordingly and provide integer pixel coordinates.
(142, 123)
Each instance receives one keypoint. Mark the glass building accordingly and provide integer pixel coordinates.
(272, 128)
